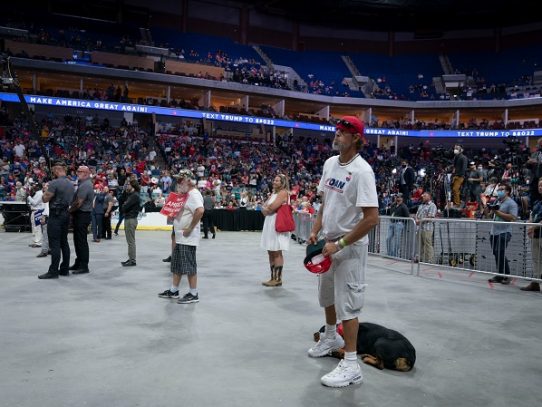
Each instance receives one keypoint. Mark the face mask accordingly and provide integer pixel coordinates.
(456, 151)
(404, 165)
(479, 168)
(500, 194)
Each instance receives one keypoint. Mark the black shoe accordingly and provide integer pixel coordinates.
(214, 235)
(74, 267)
(47, 276)
(169, 294)
(64, 273)
(495, 279)
(81, 271)
(167, 260)
(206, 237)
(506, 281)
(116, 233)
(42, 254)
(188, 299)
(128, 263)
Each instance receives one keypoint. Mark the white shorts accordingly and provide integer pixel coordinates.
(343, 285)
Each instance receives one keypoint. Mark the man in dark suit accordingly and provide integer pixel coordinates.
(407, 176)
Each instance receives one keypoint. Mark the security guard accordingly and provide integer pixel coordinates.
(59, 195)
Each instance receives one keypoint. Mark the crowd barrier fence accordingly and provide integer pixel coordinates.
(457, 244)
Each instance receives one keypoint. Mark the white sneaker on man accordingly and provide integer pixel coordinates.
(325, 346)
(345, 374)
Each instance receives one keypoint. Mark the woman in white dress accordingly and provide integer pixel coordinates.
(272, 241)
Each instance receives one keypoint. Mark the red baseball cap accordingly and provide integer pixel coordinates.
(351, 124)
(315, 262)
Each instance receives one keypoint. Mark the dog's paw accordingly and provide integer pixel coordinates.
(402, 364)
(373, 361)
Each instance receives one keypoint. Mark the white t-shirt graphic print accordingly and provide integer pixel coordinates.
(346, 189)
(184, 219)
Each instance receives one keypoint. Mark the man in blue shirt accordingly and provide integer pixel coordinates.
(501, 233)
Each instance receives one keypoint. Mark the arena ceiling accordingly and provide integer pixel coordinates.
(404, 15)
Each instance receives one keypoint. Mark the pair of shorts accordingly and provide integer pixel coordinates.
(343, 285)
(183, 260)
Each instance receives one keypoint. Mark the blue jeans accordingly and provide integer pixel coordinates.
(97, 225)
(498, 245)
(393, 240)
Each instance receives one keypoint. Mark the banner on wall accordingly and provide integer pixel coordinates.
(234, 118)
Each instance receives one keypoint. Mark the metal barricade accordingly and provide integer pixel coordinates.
(394, 237)
(303, 226)
(476, 245)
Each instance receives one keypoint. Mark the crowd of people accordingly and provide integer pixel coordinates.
(245, 70)
(239, 173)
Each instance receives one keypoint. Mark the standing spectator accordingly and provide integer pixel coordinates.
(427, 210)
(59, 195)
(122, 199)
(208, 223)
(459, 172)
(501, 233)
(535, 164)
(474, 179)
(187, 236)
(508, 173)
(36, 206)
(43, 224)
(271, 240)
(81, 209)
(406, 181)
(109, 203)
(20, 192)
(131, 210)
(349, 210)
(396, 227)
(534, 232)
(98, 210)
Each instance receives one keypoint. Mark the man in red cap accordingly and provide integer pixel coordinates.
(349, 210)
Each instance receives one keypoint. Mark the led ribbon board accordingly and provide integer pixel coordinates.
(234, 118)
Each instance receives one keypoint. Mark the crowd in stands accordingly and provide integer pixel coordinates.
(238, 171)
(251, 71)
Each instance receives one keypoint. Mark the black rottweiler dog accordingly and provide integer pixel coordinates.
(380, 347)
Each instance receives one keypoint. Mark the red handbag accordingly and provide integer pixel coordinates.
(284, 221)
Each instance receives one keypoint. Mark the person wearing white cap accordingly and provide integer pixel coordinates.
(187, 233)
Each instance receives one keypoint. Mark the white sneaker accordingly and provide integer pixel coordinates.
(325, 346)
(343, 375)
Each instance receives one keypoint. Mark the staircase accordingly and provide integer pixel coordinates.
(354, 71)
(357, 82)
(293, 76)
(438, 83)
(446, 65)
(264, 56)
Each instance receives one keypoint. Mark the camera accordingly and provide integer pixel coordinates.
(512, 142)
(494, 206)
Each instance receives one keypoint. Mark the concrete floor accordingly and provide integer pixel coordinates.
(106, 339)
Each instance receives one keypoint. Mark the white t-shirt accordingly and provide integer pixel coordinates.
(346, 190)
(184, 219)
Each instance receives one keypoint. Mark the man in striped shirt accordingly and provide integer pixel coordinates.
(426, 210)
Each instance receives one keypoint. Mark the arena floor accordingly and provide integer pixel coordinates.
(105, 339)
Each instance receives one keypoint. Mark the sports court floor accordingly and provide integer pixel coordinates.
(105, 339)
